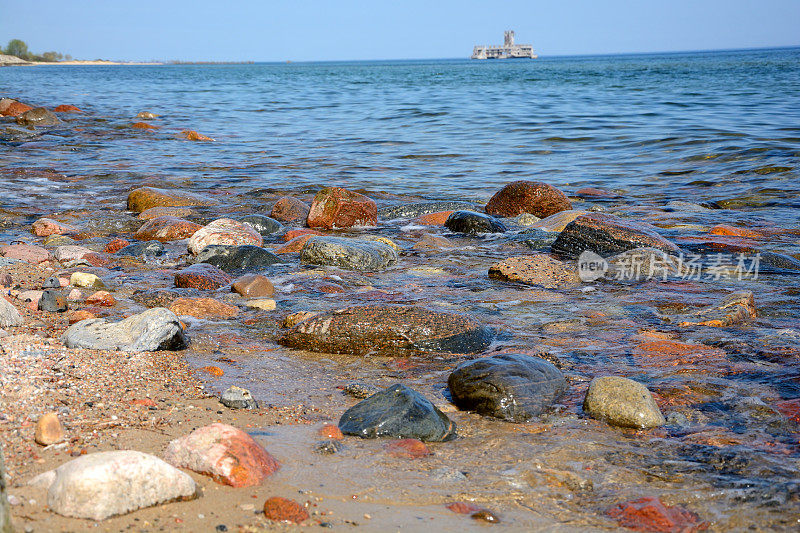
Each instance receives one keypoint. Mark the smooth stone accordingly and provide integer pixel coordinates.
(280, 509)
(227, 454)
(238, 398)
(473, 223)
(201, 276)
(537, 239)
(397, 330)
(422, 208)
(161, 211)
(234, 258)
(288, 209)
(538, 269)
(70, 252)
(779, 261)
(152, 248)
(622, 402)
(349, 254)
(337, 208)
(154, 329)
(48, 430)
(397, 412)
(9, 316)
(30, 253)
(53, 301)
(38, 116)
(105, 484)
(146, 197)
(535, 197)
(166, 228)
(253, 286)
(512, 387)
(5, 514)
(44, 227)
(86, 279)
(265, 304)
(224, 231)
(58, 240)
(263, 224)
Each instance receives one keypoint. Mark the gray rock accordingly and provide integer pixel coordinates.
(238, 398)
(154, 329)
(397, 412)
(473, 223)
(237, 258)
(106, 484)
(5, 515)
(512, 387)
(136, 249)
(263, 224)
(622, 402)
(51, 283)
(9, 316)
(536, 238)
(53, 301)
(349, 254)
(421, 208)
(779, 261)
(328, 447)
(14, 134)
(38, 116)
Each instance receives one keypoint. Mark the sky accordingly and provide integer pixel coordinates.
(315, 30)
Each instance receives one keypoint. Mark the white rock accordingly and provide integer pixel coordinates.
(154, 329)
(224, 231)
(9, 316)
(69, 252)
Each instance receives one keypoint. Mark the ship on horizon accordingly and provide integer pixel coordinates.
(509, 50)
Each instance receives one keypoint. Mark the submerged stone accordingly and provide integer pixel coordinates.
(397, 412)
(38, 116)
(422, 208)
(201, 276)
(154, 329)
(238, 398)
(152, 248)
(166, 228)
(233, 258)
(535, 197)
(622, 402)
(473, 223)
(538, 269)
(350, 254)
(735, 308)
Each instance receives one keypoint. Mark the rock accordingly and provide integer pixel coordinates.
(608, 235)
(397, 330)
(328, 447)
(538, 269)
(330, 431)
(280, 509)
(641, 264)
(350, 254)
(166, 211)
(191, 135)
(76, 316)
(595, 192)
(105, 484)
(556, 223)
(463, 507)
(397, 412)
(233, 258)
(201, 276)
(512, 387)
(31, 298)
(15, 108)
(48, 430)
(25, 252)
(47, 226)
(262, 224)
(422, 209)
(7, 281)
(407, 448)
(38, 116)
(146, 115)
(295, 318)
(203, 308)
(523, 196)
(9, 316)
(735, 308)
(101, 298)
(293, 233)
(536, 239)
(5, 514)
(622, 402)
(433, 243)
(295, 245)
(473, 223)
(335, 208)
(86, 279)
(434, 219)
(58, 240)
(253, 286)
(73, 296)
(147, 197)
(70, 252)
(485, 515)
(154, 329)
(67, 108)
(650, 514)
(265, 304)
(166, 228)
(149, 248)
(289, 209)
(238, 398)
(143, 126)
(52, 301)
(224, 231)
(227, 454)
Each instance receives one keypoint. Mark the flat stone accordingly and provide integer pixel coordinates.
(201, 276)
(45, 227)
(115, 246)
(238, 398)
(384, 329)
(227, 454)
(538, 269)
(535, 197)
(650, 514)
(336, 208)
(224, 231)
(70, 252)
(397, 412)
(101, 298)
(263, 224)
(48, 430)
(67, 108)
(166, 228)
(350, 254)
(289, 209)
(236, 258)
(105, 484)
(86, 279)
(536, 239)
(433, 219)
(253, 286)
(147, 197)
(295, 245)
(38, 116)
(58, 240)
(154, 329)
(52, 301)
(473, 223)
(151, 248)
(9, 316)
(203, 308)
(30, 253)
(422, 208)
(622, 402)
(512, 387)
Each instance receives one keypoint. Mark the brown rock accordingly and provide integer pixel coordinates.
(289, 209)
(167, 228)
(66, 108)
(201, 276)
(224, 231)
(101, 298)
(280, 509)
(191, 135)
(161, 211)
(432, 243)
(735, 308)
(47, 226)
(595, 192)
(537, 269)
(143, 126)
(48, 430)
(650, 514)
(463, 507)
(115, 246)
(434, 219)
(294, 233)
(330, 431)
(535, 197)
(147, 197)
(334, 207)
(77, 316)
(253, 286)
(38, 116)
(15, 109)
(203, 308)
(146, 115)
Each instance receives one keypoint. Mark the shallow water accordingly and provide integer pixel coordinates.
(717, 129)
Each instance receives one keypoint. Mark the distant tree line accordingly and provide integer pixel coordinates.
(16, 47)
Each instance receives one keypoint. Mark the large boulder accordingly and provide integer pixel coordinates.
(224, 231)
(608, 235)
(513, 387)
(422, 208)
(154, 329)
(166, 228)
(535, 197)
(350, 254)
(397, 412)
(334, 208)
(5, 515)
(9, 316)
(386, 329)
(30, 253)
(537, 269)
(38, 116)
(147, 197)
(622, 402)
(235, 258)
(105, 484)
(473, 223)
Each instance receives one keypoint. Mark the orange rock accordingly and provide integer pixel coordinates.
(535, 197)
(16, 109)
(203, 308)
(722, 229)
(214, 371)
(334, 207)
(66, 108)
(144, 402)
(650, 514)
(330, 431)
(115, 246)
(294, 233)
(147, 197)
(281, 509)
(192, 135)
(101, 298)
(433, 219)
(95, 259)
(167, 228)
(143, 126)
(407, 448)
(48, 430)
(463, 507)
(660, 353)
(790, 408)
(253, 286)
(77, 316)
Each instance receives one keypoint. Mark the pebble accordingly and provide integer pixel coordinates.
(422, 208)
(147, 197)
(48, 430)
(279, 509)
(622, 402)
(253, 286)
(650, 514)
(538, 269)
(238, 398)
(289, 209)
(45, 227)
(203, 308)
(238, 258)
(52, 301)
(38, 116)
(472, 223)
(350, 254)
(30, 253)
(263, 224)
(151, 248)
(201, 276)
(166, 228)
(224, 231)
(330, 431)
(407, 449)
(70, 252)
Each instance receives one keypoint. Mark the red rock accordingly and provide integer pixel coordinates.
(407, 448)
(330, 431)
(167, 228)
(328, 287)
(101, 298)
(77, 316)
(45, 227)
(671, 353)
(253, 286)
(289, 209)
(650, 514)
(95, 259)
(294, 245)
(115, 246)
(191, 135)
(144, 402)
(143, 126)
(334, 207)
(160, 211)
(294, 233)
(201, 276)
(433, 219)
(790, 408)
(16, 109)
(535, 197)
(66, 108)
(223, 452)
(280, 509)
(147, 197)
(751, 233)
(203, 308)
(463, 507)
(224, 231)
(25, 252)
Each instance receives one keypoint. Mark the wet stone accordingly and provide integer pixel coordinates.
(512, 387)
(539, 269)
(233, 258)
(535, 197)
(166, 228)
(360, 390)
(154, 329)
(650, 514)
(224, 231)
(253, 286)
(328, 447)
(201, 276)
(147, 197)
(38, 116)
(279, 509)
(263, 224)
(289, 209)
(350, 254)
(622, 402)
(30, 253)
(397, 412)
(385, 329)
(537, 239)
(238, 398)
(53, 301)
(205, 308)
(473, 223)
(44, 227)
(736, 308)
(336, 208)
(421, 209)
(151, 248)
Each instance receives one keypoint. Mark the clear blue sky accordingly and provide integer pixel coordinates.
(349, 29)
